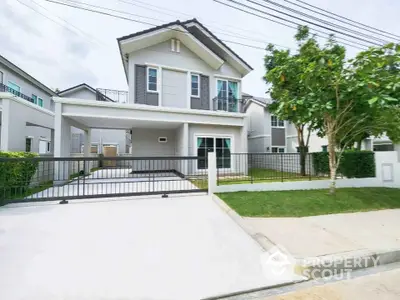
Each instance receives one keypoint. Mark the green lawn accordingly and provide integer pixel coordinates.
(256, 175)
(311, 202)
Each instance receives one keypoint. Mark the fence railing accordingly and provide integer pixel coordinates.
(49, 178)
(228, 104)
(112, 95)
(266, 167)
(5, 88)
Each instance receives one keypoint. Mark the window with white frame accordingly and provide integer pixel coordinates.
(275, 122)
(195, 87)
(278, 149)
(152, 79)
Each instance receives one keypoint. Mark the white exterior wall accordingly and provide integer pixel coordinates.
(259, 140)
(145, 142)
(15, 114)
(82, 93)
(27, 88)
(161, 55)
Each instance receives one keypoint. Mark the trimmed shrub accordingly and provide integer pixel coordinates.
(353, 164)
(16, 174)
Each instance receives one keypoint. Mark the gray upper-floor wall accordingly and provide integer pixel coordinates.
(11, 74)
(174, 70)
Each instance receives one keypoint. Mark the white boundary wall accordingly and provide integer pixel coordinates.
(387, 175)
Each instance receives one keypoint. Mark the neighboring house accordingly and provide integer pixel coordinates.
(100, 138)
(27, 117)
(184, 97)
(269, 134)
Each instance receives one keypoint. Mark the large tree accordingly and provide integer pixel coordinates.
(286, 87)
(345, 99)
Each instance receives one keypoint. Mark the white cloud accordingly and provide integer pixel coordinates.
(61, 59)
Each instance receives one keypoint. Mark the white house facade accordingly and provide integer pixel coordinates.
(184, 97)
(269, 134)
(27, 117)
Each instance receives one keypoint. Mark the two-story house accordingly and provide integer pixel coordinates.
(27, 120)
(269, 134)
(184, 97)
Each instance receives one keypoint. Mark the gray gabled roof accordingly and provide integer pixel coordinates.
(264, 102)
(86, 86)
(25, 75)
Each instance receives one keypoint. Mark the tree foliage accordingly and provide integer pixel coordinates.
(344, 100)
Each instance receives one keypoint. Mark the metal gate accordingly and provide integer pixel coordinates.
(48, 178)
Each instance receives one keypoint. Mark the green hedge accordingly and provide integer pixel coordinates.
(15, 175)
(353, 164)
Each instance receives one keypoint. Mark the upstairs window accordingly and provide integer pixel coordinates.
(14, 87)
(152, 79)
(40, 102)
(34, 98)
(275, 122)
(195, 85)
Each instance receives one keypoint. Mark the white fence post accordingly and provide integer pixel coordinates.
(212, 172)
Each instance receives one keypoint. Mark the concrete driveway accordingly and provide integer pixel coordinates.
(182, 247)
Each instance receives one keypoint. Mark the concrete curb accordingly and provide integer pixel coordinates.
(345, 263)
(265, 243)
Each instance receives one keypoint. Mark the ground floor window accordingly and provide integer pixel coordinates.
(28, 144)
(278, 149)
(221, 147)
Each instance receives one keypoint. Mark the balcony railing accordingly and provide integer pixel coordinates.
(112, 95)
(228, 104)
(4, 88)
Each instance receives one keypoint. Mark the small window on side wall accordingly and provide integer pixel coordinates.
(195, 85)
(28, 144)
(278, 150)
(162, 140)
(152, 79)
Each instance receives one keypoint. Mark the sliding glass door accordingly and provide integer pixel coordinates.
(222, 147)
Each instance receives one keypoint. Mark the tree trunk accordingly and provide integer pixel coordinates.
(332, 161)
(303, 157)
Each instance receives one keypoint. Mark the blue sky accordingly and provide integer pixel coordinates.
(61, 57)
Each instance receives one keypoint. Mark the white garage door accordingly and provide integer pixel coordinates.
(174, 89)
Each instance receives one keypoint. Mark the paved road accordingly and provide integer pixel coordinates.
(382, 286)
(182, 247)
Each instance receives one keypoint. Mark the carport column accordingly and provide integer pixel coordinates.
(5, 125)
(86, 148)
(52, 141)
(212, 172)
(185, 149)
(62, 139)
(396, 148)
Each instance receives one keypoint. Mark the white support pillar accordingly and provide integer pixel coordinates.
(5, 125)
(212, 172)
(62, 139)
(397, 149)
(185, 150)
(87, 149)
(242, 164)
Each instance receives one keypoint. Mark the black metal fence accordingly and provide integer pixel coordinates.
(5, 88)
(112, 95)
(267, 167)
(48, 178)
(228, 104)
